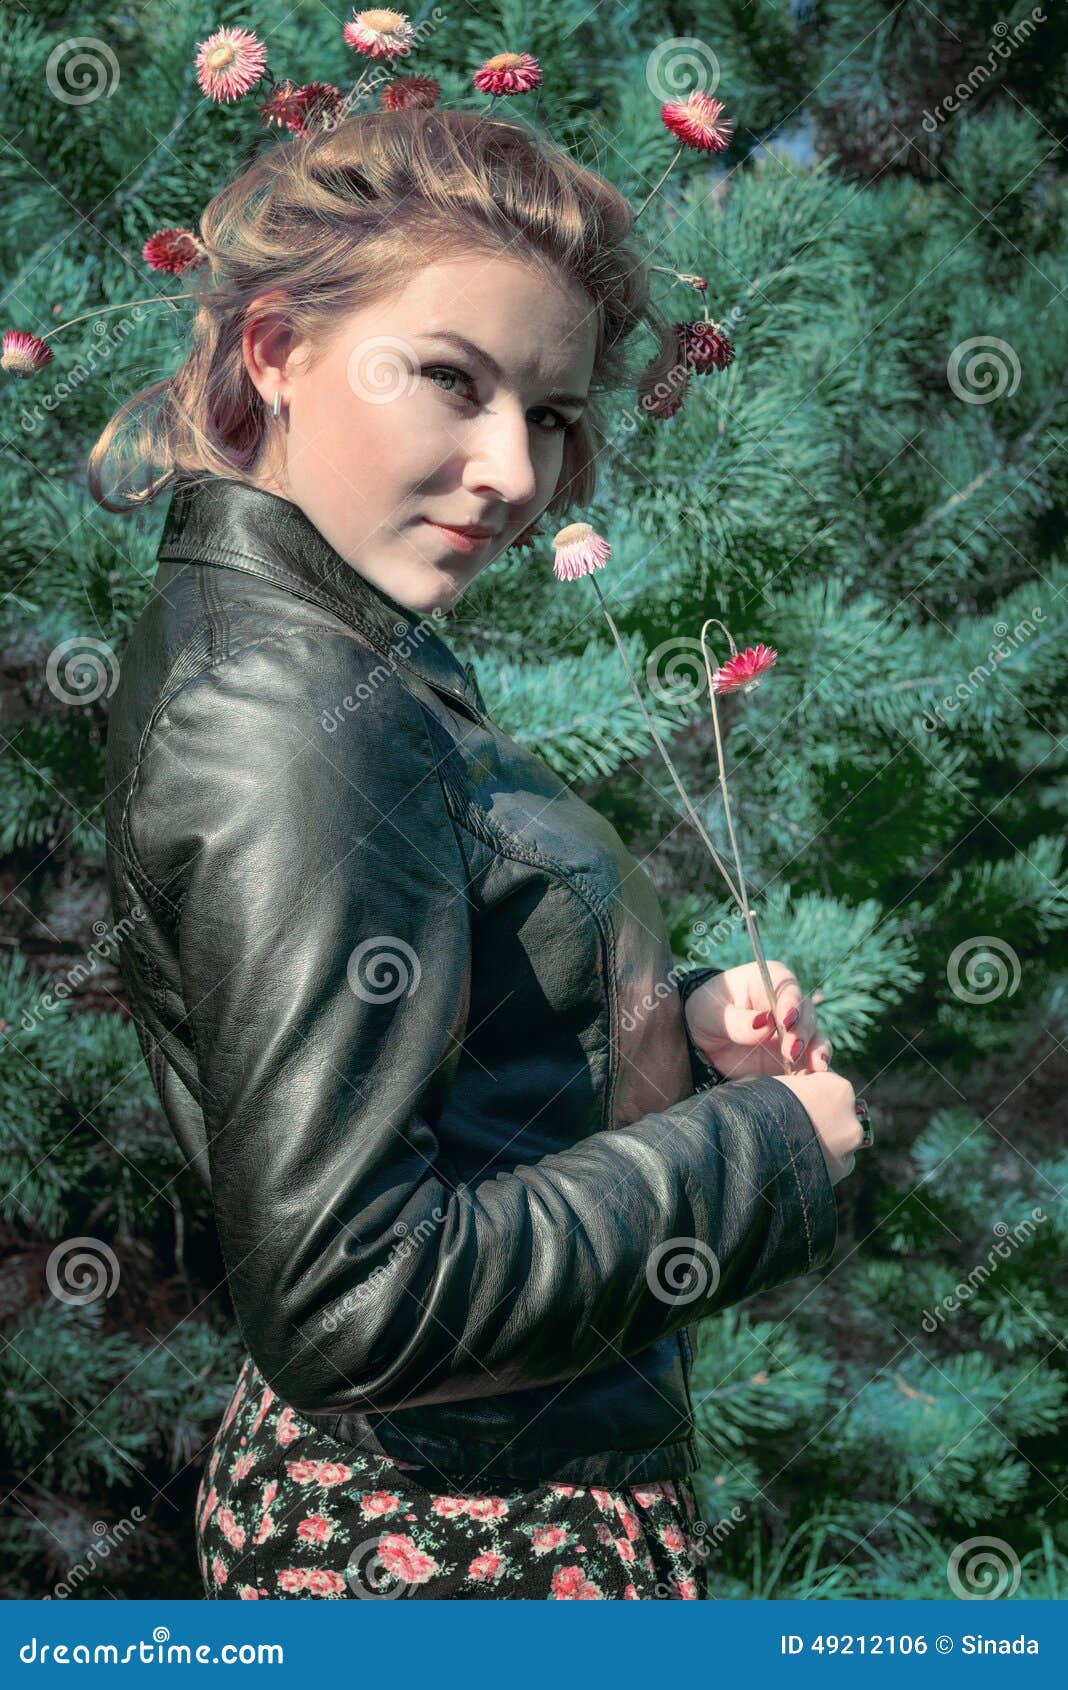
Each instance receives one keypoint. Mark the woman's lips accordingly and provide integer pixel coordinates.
(457, 539)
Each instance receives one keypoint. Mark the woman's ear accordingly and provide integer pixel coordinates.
(267, 343)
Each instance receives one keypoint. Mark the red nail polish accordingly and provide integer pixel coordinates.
(762, 1019)
(791, 1018)
(796, 1048)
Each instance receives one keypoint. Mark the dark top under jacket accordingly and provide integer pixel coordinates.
(409, 1006)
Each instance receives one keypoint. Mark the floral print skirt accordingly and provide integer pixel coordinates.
(283, 1509)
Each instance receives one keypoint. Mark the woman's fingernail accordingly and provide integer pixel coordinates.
(791, 1018)
(796, 1048)
(762, 1019)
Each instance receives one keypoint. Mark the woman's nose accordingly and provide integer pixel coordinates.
(502, 463)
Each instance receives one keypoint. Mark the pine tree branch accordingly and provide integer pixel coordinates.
(1012, 452)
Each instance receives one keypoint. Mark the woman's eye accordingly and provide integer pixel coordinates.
(559, 424)
(448, 371)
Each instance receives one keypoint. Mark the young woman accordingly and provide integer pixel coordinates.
(407, 1001)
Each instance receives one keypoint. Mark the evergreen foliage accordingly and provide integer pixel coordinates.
(882, 507)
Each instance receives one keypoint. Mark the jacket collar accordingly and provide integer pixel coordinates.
(226, 523)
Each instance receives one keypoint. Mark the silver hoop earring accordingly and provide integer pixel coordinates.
(277, 404)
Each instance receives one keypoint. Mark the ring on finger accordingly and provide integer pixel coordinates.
(862, 1116)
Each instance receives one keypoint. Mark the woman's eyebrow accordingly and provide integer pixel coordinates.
(491, 364)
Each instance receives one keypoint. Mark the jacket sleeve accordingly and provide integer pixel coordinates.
(704, 1073)
(323, 933)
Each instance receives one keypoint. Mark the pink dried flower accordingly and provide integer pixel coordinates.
(744, 670)
(579, 551)
(24, 354)
(703, 347)
(173, 251)
(508, 73)
(405, 91)
(380, 34)
(229, 63)
(697, 121)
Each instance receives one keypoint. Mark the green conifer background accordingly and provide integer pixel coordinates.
(864, 489)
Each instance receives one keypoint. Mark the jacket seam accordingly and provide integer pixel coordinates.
(302, 589)
(224, 655)
(476, 823)
(800, 1192)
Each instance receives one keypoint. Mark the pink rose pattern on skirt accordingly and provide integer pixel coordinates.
(285, 1510)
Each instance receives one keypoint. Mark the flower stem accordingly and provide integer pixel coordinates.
(694, 817)
(750, 918)
(659, 185)
(127, 305)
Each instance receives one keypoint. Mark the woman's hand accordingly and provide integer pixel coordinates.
(732, 1028)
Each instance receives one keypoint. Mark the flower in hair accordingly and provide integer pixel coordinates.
(24, 354)
(744, 671)
(379, 33)
(663, 400)
(284, 106)
(404, 91)
(229, 63)
(174, 251)
(579, 551)
(703, 347)
(698, 122)
(508, 73)
(320, 102)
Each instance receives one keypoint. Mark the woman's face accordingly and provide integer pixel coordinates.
(395, 429)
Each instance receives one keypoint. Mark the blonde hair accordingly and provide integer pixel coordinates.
(332, 220)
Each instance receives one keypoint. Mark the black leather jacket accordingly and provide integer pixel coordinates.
(410, 1009)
